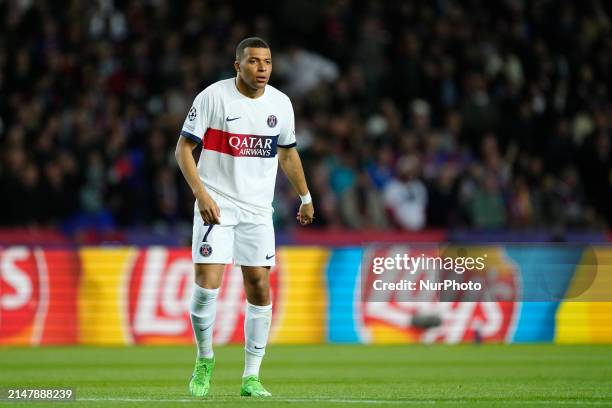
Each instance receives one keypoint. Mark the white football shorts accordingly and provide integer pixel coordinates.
(243, 237)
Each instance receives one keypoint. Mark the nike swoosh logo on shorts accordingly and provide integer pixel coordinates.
(268, 257)
(228, 119)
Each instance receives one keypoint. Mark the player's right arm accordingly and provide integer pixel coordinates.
(193, 130)
(184, 157)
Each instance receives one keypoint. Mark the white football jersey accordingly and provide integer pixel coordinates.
(240, 137)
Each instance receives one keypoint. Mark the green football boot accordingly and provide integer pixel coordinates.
(251, 387)
(200, 379)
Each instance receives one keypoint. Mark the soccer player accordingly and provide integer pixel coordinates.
(246, 127)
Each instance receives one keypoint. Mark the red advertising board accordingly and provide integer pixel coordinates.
(38, 295)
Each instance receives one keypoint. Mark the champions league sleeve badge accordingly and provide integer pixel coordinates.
(193, 113)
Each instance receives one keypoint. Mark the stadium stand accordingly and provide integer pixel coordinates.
(410, 115)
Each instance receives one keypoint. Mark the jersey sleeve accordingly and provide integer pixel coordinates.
(197, 119)
(286, 138)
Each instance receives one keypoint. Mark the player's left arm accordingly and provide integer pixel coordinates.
(290, 163)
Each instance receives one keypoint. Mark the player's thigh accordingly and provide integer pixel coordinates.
(254, 242)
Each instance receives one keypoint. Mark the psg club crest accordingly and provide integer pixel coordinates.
(272, 121)
(205, 250)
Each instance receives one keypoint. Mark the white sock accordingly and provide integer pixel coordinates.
(203, 310)
(256, 329)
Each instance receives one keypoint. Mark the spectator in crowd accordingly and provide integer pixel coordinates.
(406, 195)
(304, 70)
(448, 114)
(487, 208)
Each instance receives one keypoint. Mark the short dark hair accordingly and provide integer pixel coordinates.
(251, 42)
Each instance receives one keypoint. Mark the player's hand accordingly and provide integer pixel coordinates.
(209, 210)
(305, 215)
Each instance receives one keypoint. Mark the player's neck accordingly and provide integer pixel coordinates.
(246, 90)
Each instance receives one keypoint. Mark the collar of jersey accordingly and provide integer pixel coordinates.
(259, 98)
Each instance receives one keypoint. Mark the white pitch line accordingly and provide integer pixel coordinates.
(263, 400)
(347, 401)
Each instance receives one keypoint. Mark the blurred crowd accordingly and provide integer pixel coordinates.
(410, 114)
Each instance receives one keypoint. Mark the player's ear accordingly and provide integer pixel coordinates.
(237, 65)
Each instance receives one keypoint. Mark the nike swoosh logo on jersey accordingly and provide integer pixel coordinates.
(228, 119)
(268, 257)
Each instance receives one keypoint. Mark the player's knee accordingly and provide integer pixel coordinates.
(261, 297)
(258, 284)
(208, 276)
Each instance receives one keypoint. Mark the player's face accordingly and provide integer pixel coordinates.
(255, 67)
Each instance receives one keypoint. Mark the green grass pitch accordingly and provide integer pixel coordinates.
(322, 376)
